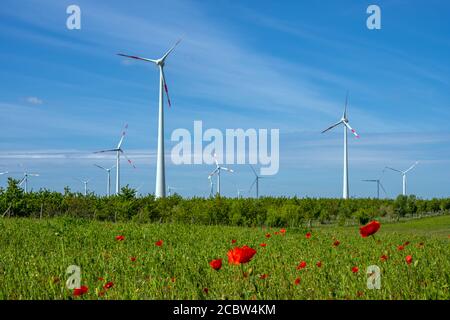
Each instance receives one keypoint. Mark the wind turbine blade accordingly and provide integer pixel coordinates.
(382, 188)
(334, 125)
(344, 115)
(215, 159)
(136, 57)
(393, 169)
(253, 169)
(124, 132)
(412, 167)
(251, 187)
(21, 181)
(351, 129)
(226, 169)
(110, 150)
(170, 50)
(100, 167)
(165, 86)
(213, 173)
(128, 159)
(369, 180)
(33, 174)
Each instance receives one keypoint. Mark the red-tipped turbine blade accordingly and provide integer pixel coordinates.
(166, 89)
(135, 57)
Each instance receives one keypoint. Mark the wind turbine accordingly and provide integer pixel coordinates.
(211, 186)
(119, 151)
(239, 192)
(346, 125)
(108, 181)
(160, 163)
(403, 173)
(255, 182)
(24, 180)
(169, 190)
(217, 172)
(85, 182)
(379, 184)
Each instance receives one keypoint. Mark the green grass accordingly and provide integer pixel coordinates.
(34, 255)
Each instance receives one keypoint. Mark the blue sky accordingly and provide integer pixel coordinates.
(241, 64)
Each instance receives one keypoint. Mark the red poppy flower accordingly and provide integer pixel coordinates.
(369, 229)
(216, 264)
(400, 248)
(308, 235)
(319, 264)
(240, 255)
(406, 243)
(355, 269)
(100, 279)
(408, 259)
(283, 231)
(263, 276)
(263, 245)
(108, 285)
(276, 233)
(267, 235)
(120, 238)
(205, 290)
(159, 243)
(133, 259)
(297, 281)
(302, 265)
(383, 257)
(80, 291)
(336, 243)
(233, 241)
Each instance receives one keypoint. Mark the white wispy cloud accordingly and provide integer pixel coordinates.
(34, 100)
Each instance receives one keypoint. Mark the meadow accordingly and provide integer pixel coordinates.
(130, 260)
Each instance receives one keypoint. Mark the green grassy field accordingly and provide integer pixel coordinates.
(34, 256)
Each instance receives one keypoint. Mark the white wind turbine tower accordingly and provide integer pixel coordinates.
(108, 181)
(403, 173)
(24, 180)
(217, 172)
(160, 163)
(379, 184)
(346, 125)
(85, 182)
(119, 151)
